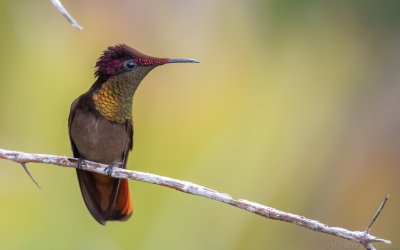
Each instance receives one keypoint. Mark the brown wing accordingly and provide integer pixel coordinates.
(86, 179)
(70, 119)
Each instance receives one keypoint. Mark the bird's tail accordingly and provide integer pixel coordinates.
(106, 198)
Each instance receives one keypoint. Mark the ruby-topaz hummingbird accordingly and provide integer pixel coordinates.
(101, 127)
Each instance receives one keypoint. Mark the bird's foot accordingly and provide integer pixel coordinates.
(110, 169)
(81, 162)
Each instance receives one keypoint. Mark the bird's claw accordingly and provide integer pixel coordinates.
(81, 162)
(110, 169)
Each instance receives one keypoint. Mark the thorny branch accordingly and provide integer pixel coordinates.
(361, 237)
(64, 12)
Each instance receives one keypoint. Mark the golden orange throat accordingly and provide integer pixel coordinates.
(114, 100)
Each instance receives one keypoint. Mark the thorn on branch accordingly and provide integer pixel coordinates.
(378, 212)
(64, 12)
(30, 175)
(364, 241)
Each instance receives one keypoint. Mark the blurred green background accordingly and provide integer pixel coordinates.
(295, 105)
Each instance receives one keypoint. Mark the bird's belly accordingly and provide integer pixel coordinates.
(100, 140)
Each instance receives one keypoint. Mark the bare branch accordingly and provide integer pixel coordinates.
(64, 12)
(361, 237)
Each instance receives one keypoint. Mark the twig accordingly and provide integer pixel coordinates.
(367, 244)
(30, 175)
(361, 237)
(378, 212)
(64, 12)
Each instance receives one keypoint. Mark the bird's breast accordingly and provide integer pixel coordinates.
(99, 139)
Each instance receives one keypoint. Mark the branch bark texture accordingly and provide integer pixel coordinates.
(362, 237)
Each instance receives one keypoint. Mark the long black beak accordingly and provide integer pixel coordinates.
(182, 60)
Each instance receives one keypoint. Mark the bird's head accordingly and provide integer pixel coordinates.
(119, 71)
(122, 59)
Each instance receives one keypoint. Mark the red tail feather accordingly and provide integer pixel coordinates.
(106, 198)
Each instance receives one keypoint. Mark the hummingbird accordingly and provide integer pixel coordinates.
(100, 128)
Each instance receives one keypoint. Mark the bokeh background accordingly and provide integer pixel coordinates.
(295, 105)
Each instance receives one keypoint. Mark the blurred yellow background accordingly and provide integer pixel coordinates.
(295, 105)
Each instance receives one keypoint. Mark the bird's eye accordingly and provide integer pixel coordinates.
(130, 64)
